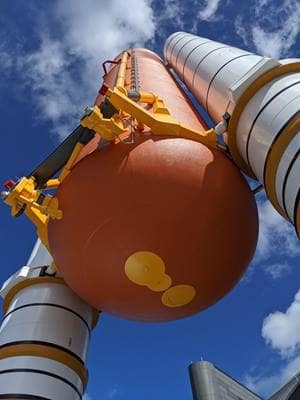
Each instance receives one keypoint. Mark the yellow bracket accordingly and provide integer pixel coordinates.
(120, 84)
(108, 128)
(148, 98)
(24, 196)
(39, 208)
(160, 120)
(52, 183)
(40, 221)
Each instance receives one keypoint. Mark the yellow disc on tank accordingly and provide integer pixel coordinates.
(147, 269)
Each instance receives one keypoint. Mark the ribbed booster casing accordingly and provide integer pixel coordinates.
(263, 96)
(208, 68)
(44, 339)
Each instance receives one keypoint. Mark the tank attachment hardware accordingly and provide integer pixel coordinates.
(157, 117)
(120, 115)
(108, 62)
(23, 197)
(109, 128)
(160, 120)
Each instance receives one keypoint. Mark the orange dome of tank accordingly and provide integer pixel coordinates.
(158, 229)
(154, 231)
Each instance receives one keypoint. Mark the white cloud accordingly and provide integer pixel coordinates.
(105, 31)
(277, 270)
(209, 11)
(56, 96)
(6, 61)
(276, 44)
(263, 385)
(281, 330)
(291, 369)
(241, 30)
(63, 73)
(274, 233)
(172, 10)
(275, 29)
(267, 385)
(6, 58)
(113, 393)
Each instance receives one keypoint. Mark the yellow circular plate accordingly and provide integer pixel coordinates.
(147, 269)
(178, 296)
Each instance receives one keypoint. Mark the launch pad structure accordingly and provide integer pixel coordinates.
(144, 166)
(210, 383)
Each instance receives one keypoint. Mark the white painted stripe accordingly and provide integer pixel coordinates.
(186, 51)
(255, 105)
(49, 324)
(268, 125)
(284, 164)
(36, 385)
(169, 41)
(292, 188)
(39, 256)
(43, 364)
(52, 293)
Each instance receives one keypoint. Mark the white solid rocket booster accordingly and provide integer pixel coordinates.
(44, 334)
(259, 98)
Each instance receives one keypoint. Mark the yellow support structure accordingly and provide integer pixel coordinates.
(24, 197)
(36, 206)
(160, 120)
(120, 84)
(148, 98)
(52, 183)
(108, 128)
(41, 223)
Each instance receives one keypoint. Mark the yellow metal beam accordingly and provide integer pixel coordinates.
(52, 183)
(36, 206)
(160, 121)
(108, 128)
(120, 84)
(23, 197)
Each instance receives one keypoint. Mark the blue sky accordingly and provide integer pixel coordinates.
(50, 54)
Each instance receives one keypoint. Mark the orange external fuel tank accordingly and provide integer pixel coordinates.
(154, 228)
